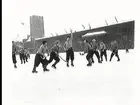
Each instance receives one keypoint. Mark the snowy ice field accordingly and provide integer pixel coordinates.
(109, 83)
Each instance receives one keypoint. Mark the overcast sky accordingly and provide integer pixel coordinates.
(65, 14)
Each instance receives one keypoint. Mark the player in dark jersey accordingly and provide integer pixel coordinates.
(89, 51)
(55, 53)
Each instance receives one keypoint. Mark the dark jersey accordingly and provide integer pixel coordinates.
(87, 47)
(114, 45)
(55, 49)
(94, 46)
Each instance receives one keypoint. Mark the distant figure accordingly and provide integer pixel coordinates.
(89, 51)
(55, 53)
(28, 54)
(22, 55)
(40, 57)
(95, 50)
(69, 50)
(127, 51)
(103, 51)
(126, 43)
(14, 54)
(114, 48)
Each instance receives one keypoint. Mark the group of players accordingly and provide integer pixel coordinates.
(100, 51)
(89, 48)
(24, 54)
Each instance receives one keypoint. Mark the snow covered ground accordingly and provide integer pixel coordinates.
(109, 83)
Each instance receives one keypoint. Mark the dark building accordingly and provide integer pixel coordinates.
(36, 27)
(122, 32)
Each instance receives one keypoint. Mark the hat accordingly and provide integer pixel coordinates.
(68, 36)
(44, 42)
(93, 40)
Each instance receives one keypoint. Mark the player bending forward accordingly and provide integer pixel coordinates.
(89, 51)
(55, 53)
(41, 58)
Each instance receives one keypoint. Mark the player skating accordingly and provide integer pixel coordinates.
(55, 53)
(69, 50)
(89, 51)
(41, 58)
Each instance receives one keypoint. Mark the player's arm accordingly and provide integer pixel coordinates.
(71, 34)
(64, 46)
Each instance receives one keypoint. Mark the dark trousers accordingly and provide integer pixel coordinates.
(114, 52)
(39, 59)
(70, 54)
(14, 58)
(26, 58)
(22, 57)
(103, 53)
(127, 51)
(54, 56)
(89, 56)
(97, 55)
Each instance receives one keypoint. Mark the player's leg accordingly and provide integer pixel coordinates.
(14, 60)
(101, 55)
(23, 57)
(105, 54)
(51, 57)
(72, 56)
(26, 57)
(56, 58)
(20, 55)
(111, 56)
(117, 55)
(67, 57)
(36, 62)
(88, 57)
(98, 57)
(45, 62)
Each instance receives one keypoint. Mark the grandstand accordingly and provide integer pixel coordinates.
(122, 32)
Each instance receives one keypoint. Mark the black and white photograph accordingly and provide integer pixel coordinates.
(70, 52)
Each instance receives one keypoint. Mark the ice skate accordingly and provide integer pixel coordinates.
(53, 66)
